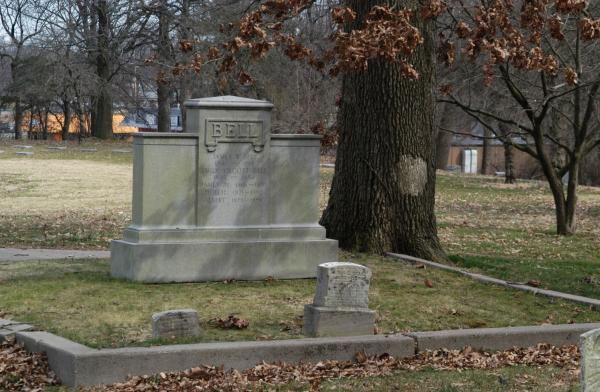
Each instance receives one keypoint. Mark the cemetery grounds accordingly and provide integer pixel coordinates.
(81, 200)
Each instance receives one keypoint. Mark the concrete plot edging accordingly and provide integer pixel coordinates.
(498, 339)
(78, 365)
(594, 303)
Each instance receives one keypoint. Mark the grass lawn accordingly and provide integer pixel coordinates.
(79, 300)
(74, 199)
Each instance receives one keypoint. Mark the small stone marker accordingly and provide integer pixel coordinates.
(589, 344)
(21, 146)
(1, 152)
(117, 151)
(341, 303)
(26, 153)
(88, 150)
(177, 323)
(57, 148)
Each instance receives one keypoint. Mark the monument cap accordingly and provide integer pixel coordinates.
(228, 101)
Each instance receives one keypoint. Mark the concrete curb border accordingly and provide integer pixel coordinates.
(594, 303)
(79, 365)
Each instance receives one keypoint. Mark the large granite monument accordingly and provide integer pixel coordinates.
(228, 200)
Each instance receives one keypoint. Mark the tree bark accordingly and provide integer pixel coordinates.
(185, 82)
(383, 192)
(163, 86)
(443, 138)
(66, 119)
(18, 106)
(103, 109)
(18, 118)
(509, 170)
(443, 144)
(485, 158)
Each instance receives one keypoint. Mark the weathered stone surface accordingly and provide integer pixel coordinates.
(341, 303)
(76, 365)
(178, 323)
(323, 321)
(24, 153)
(22, 146)
(590, 361)
(88, 149)
(8, 328)
(226, 201)
(342, 285)
(57, 148)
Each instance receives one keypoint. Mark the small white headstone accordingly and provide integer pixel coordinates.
(57, 148)
(25, 153)
(589, 344)
(341, 304)
(124, 151)
(21, 146)
(175, 324)
(342, 284)
(88, 150)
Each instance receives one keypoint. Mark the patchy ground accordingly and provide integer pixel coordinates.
(543, 368)
(82, 200)
(79, 300)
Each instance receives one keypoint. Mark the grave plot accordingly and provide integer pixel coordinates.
(79, 300)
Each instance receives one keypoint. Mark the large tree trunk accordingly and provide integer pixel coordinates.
(185, 82)
(509, 167)
(509, 170)
(18, 118)
(564, 206)
(18, 107)
(103, 109)
(382, 196)
(163, 85)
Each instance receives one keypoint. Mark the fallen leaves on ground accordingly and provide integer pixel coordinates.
(231, 322)
(22, 371)
(534, 283)
(208, 378)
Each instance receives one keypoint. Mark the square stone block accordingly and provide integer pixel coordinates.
(177, 323)
(320, 321)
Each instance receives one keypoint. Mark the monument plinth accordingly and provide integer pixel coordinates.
(226, 201)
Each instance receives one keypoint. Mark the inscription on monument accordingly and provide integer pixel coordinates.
(228, 131)
(231, 185)
(342, 285)
(234, 179)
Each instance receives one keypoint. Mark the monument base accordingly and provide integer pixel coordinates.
(163, 262)
(325, 321)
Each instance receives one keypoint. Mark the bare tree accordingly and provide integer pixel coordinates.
(22, 22)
